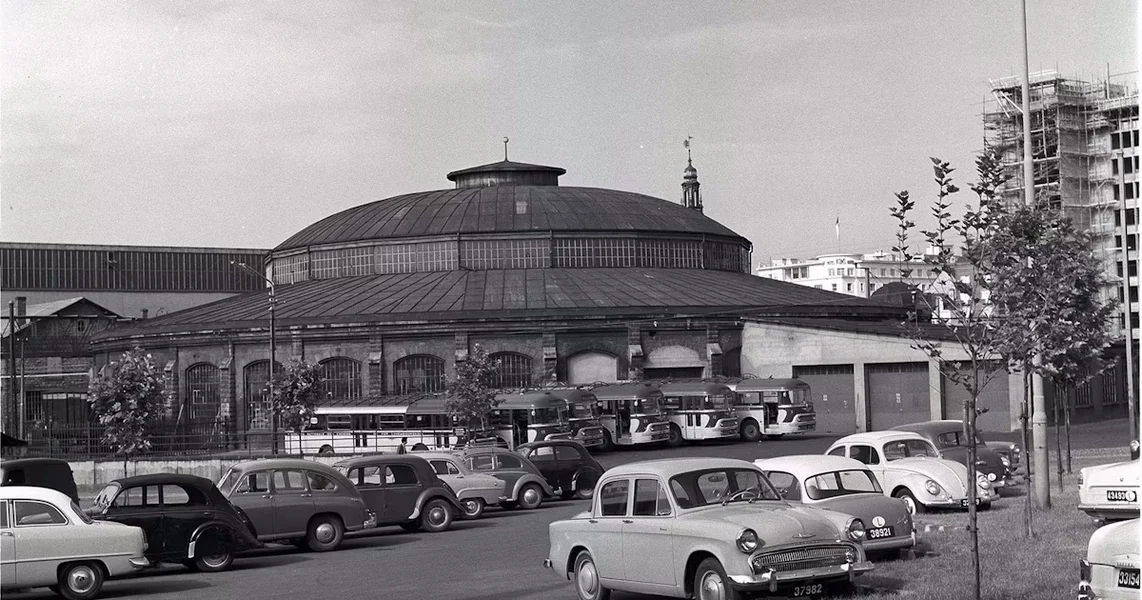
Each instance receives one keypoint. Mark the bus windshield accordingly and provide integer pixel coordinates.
(541, 416)
(646, 406)
(583, 410)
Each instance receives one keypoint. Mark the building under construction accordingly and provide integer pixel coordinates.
(1084, 137)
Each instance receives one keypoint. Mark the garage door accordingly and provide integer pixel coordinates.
(897, 394)
(833, 396)
(993, 398)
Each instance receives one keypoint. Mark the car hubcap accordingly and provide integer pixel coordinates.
(471, 507)
(588, 579)
(531, 496)
(325, 533)
(81, 580)
(911, 504)
(436, 516)
(214, 561)
(712, 587)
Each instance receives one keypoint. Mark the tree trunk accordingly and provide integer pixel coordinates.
(1024, 415)
(1067, 421)
(1058, 439)
(973, 517)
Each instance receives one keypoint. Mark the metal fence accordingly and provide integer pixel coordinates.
(85, 442)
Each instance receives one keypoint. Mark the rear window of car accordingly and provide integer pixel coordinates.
(320, 483)
(444, 467)
(542, 453)
(566, 453)
(32, 513)
(508, 461)
(481, 462)
(175, 495)
(400, 475)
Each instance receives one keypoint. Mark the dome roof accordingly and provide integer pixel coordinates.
(506, 209)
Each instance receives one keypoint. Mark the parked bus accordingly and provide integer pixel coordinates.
(366, 427)
(583, 417)
(631, 413)
(530, 417)
(773, 407)
(699, 410)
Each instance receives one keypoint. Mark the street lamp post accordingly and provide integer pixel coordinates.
(273, 352)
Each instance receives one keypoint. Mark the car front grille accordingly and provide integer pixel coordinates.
(804, 558)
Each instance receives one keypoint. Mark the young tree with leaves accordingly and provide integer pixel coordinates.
(471, 396)
(128, 401)
(294, 396)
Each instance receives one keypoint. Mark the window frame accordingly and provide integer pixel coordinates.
(600, 511)
(15, 521)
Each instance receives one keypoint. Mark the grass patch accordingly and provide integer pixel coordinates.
(1012, 567)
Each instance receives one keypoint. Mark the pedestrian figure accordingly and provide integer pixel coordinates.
(401, 449)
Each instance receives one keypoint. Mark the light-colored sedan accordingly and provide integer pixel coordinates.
(1110, 571)
(704, 528)
(475, 490)
(847, 486)
(910, 468)
(1111, 491)
(45, 540)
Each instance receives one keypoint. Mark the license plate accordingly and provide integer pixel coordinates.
(880, 532)
(1128, 578)
(1121, 495)
(964, 502)
(808, 590)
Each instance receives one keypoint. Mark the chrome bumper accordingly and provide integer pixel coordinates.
(770, 579)
(140, 563)
(891, 543)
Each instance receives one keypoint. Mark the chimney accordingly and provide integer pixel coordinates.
(144, 314)
(21, 309)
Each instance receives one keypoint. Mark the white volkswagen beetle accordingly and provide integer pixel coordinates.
(1111, 491)
(45, 540)
(704, 528)
(1110, 571)
(910, 468)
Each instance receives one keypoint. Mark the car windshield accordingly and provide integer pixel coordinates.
(714, 486)
(228, 480)
(840, 483)
(909, 449)
(107, 495)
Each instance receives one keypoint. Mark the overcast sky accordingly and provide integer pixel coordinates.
(236, 124)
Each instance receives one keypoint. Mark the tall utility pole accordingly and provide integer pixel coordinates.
(1038, 401)
(1129, 326)
(273, 352)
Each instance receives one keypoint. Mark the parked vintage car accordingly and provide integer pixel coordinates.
(404, 490)
(566, 465)
(185, 517)
(909, 467)
(1111, 568)
(524, 485)
(51, 473)
(300, 501)
(45, 540)
(1010, 452)
(705, 528)
(1111, 491)
(948, 437)
(474, 490)
(844, 485)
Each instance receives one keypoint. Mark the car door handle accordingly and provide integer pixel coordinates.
(590, 521)
(306, 495)
(267, 495)
(6, 534)
(628, 521)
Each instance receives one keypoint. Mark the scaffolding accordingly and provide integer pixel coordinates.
(1075, 165)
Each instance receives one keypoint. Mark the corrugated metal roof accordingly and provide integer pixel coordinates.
(503, 294)
(504, 209)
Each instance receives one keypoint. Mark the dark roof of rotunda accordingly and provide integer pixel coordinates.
(506, 209)
(507, 295)
(506, 166)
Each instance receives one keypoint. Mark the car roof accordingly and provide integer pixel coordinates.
(435, 455)
(541, 443)
(160, 478)
(877, 437)
(33, 462)
(283, 463)
(808, 465)
(383, 459)
(669, 467)
(21, 492)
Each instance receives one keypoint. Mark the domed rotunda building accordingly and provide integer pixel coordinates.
(568, 284)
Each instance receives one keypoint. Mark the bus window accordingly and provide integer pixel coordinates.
(390, 421)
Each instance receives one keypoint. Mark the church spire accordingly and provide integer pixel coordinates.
(691, 197)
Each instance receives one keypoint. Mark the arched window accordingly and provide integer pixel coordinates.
(590, 366)
(418, 373)
(203, 404)
(514, 370)
(256, 396)
(340, 380)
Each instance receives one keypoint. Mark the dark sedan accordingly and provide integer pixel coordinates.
(185, 517)
(404, 490)
(566, 465)
(948, 438)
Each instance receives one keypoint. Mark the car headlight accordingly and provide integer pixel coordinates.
(1080, 478)
(1006, 461)
(932, 487)
(748, 541)
(855, 530)
(1084, 571)
(983, 482)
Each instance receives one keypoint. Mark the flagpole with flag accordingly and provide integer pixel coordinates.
(838, 233)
